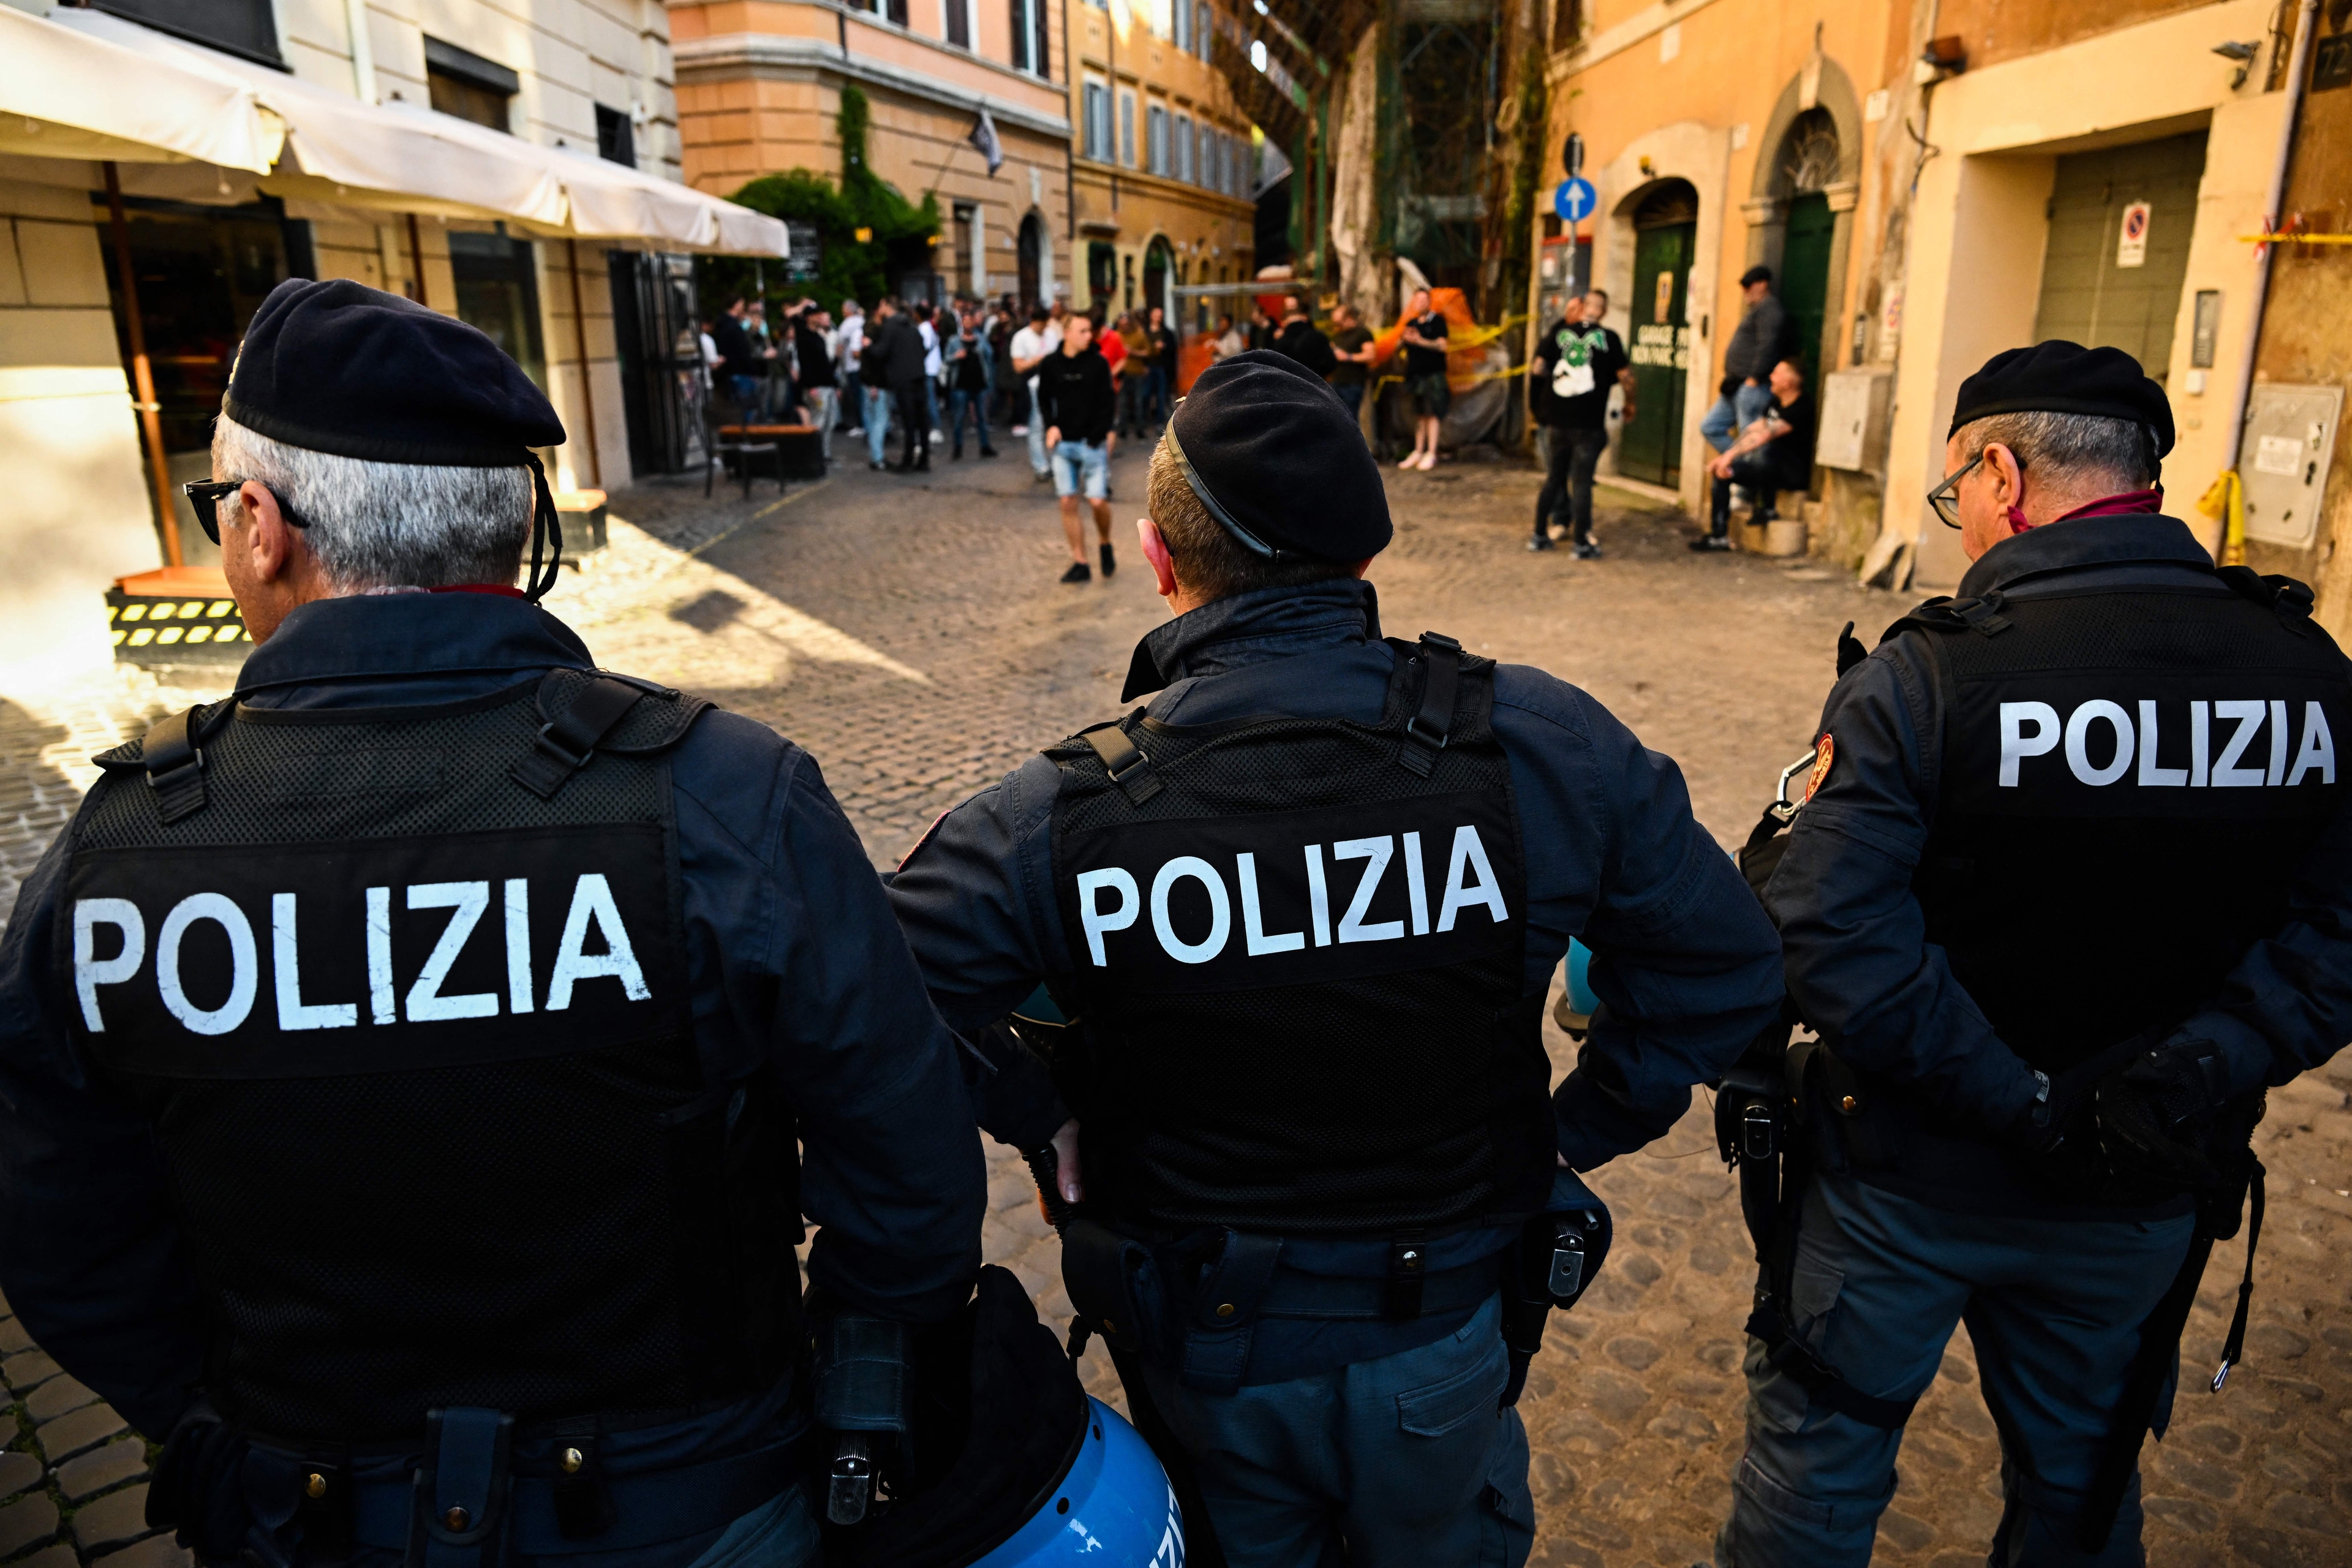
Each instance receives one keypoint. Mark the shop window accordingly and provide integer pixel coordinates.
(244, 27)
(498, 291)
(464, 84)
(616, 137)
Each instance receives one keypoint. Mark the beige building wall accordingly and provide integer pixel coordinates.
(1704, 93)
(1978, 228)
(77, 514)
(1210, 233)
(759, 85)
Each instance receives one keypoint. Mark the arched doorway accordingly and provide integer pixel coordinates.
(1032, 243)
(1666, 231)
(1809, 159)
(1159, 268)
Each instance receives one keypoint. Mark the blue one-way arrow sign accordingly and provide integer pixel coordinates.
(1575, 200)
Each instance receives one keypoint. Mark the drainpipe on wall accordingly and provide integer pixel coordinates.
(2233, 549)
(362, 49)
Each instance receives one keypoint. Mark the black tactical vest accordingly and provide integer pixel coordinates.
(1299, 945)
(405, 994)
(2131, 781)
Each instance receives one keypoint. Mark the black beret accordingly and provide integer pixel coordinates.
(2060, 377)
(342, 368)
(1278, 460)
(1755, 275)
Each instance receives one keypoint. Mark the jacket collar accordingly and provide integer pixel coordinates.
(377, 636)
(1252, 627)
(2084, 542)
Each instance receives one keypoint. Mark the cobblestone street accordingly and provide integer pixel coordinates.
(910, 633)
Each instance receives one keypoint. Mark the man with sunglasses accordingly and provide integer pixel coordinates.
(2071, 886)
(1307, 907)
(402, 1062)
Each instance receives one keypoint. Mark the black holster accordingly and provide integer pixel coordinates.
(1554, 1261)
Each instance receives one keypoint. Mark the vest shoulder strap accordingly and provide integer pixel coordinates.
(171, 757)
(1947, 614)
(1123, 759)
(2290, 599)
(587, 713)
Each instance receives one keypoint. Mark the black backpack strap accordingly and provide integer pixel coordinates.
(1124, 760)
(1426, 730)
(567, 742)
(174, 765)
(1982, 616)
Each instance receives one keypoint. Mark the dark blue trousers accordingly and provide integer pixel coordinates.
(2053, 1308)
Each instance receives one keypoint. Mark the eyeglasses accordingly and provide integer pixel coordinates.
(206, 496)
(1946, 498)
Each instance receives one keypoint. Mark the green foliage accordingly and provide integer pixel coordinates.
(900, 232)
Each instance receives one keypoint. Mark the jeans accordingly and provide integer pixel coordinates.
(1731, 415)
(853, 397)
(931, 408)
(960, 403)
(2053, 1308)
(1758, 475)
(1082, 467)
(1407, 1459)
(1352, 393)
(877, 424)
(823, 411)
(914, 416)
(1575, 454)
(749, 393)
(1036, 440)
(1155, 393)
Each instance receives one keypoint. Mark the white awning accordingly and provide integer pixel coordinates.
(332, 148)
(67, 94)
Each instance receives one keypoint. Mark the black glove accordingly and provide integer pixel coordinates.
(199, 1486)
(2060, 1110)
(2154, 1113)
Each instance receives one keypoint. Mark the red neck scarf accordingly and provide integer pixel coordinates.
(2116, 505)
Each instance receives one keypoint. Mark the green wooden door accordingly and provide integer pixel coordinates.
(1805, 277)
(2120, 220)
(1651, 448)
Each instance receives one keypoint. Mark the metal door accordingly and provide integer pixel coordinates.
(2120, 221)
(660, 345)
(1805, 279)
(1651, 448)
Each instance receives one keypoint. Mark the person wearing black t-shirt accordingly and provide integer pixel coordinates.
(1568, 392)
(1425, 335)
(1079, 406)
(1773, 454)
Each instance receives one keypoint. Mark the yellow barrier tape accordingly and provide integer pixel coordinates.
(2224, 501)
(2294, 240)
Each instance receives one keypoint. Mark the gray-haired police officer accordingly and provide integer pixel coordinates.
(2070, 889)
(1306, 906)
(401, 1061)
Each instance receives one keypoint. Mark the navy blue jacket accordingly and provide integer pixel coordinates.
(1860, 966)
(795, 960)
(1685, 964)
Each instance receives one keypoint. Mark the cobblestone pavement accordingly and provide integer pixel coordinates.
(910, 633)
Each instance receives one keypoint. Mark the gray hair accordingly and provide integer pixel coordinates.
(2069, 444)
(389, 525)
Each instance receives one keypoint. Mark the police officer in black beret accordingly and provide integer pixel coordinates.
(1304, 908)
(2070, 890)
(402, 1060)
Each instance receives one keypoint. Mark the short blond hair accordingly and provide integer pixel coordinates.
(1209, 563)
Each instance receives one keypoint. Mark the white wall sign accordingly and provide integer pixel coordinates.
(2131, 242)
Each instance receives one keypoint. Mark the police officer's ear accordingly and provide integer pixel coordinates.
(1155, 552)
(266, 543)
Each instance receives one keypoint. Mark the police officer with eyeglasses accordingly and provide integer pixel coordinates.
(1299, 915)
(2071, 887)
(414, 1068)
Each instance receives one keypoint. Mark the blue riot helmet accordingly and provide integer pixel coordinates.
(1006, 1462)
(1115, 1508)
(1573, 1011)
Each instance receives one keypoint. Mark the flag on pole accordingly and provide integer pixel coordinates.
(983, 136)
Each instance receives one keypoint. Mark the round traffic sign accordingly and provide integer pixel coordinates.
(1574, 200)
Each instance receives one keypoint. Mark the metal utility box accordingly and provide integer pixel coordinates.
(178, 615)
(2289, 438)
(1854, 420)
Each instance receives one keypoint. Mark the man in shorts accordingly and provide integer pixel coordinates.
(1424, 377)
(1077, 404)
